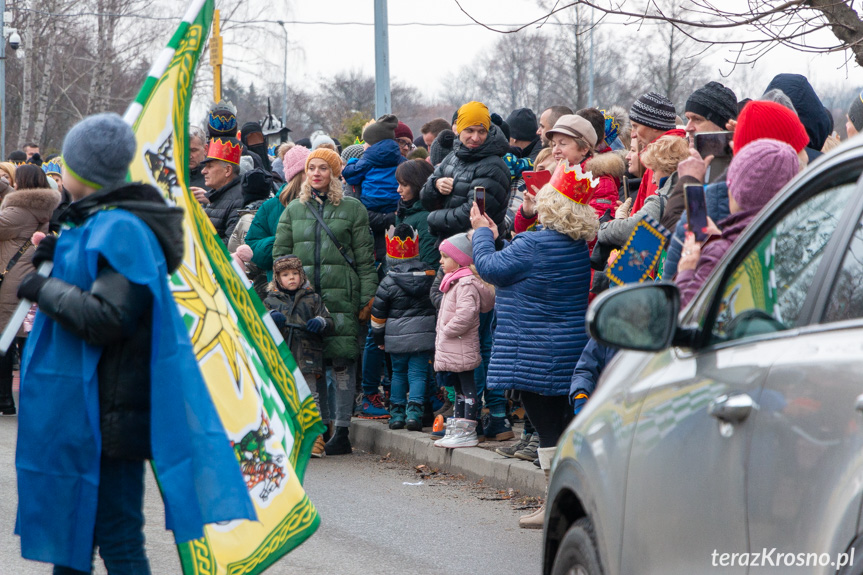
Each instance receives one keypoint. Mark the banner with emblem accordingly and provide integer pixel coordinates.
(263, 401)
(638, 258)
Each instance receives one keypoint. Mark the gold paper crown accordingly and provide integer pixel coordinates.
(226, 150)
(402, 249)
(573, 183)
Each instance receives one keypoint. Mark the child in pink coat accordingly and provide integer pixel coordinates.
(457, 349)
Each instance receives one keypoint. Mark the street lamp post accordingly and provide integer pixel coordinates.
(285, 79)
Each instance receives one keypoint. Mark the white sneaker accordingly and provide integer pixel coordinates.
(464, 435)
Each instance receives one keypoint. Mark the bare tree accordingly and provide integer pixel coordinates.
(756, 30)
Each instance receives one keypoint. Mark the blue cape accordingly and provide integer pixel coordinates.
(59, 442)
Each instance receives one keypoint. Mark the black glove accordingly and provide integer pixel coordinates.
(45, 250)
(279, 319)
(606, 217)
(30, 287)
(316, 324)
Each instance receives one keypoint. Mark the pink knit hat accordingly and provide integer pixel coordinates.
(458, 247)
(295, 161)
(759, 171)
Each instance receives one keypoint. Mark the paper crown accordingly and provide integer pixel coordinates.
(53, 167)
(400, 249)
(222, 119)
(227, 150)
(612, 127)
(573, 183)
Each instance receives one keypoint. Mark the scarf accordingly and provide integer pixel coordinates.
(452, 277)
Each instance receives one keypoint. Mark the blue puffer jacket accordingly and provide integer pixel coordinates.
(375, 172)
(542, 282)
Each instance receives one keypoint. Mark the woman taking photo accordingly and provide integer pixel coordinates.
(330, 235)
(23, 212)
(542, 281)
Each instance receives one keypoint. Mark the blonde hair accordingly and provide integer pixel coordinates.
(664, 154)
(9, 168)
(335, 193)
(291, 190)
(559, 213)
(283, 149)
(542, 156)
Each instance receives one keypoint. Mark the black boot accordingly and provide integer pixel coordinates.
(7, 402)
(428, 414)
(339, 444)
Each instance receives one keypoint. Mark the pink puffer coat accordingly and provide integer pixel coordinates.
(457, 338)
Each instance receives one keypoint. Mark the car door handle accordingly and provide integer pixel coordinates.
(731, 408)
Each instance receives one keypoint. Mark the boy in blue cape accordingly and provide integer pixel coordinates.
(109, 379)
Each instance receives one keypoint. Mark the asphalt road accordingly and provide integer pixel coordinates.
(372, 522)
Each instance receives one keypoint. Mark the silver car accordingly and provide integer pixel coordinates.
(729, 438)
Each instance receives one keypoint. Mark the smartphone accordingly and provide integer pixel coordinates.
(716, 144)
(479, 196)
(696, 210)
(535, 179)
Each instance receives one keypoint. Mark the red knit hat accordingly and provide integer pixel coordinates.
(760, 119)
(402, 131)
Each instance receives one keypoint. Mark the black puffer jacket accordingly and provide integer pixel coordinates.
(469, 168)
(117, 315)
(403, 316)
(224, 208)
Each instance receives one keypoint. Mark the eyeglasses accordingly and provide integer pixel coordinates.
(405, 144)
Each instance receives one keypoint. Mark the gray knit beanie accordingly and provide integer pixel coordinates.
(459, 248)
(654, 111)
(97, 151)
(384, 128)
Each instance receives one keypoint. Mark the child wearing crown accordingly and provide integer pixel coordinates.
(403, 323)
(541, 281)
(303, 320)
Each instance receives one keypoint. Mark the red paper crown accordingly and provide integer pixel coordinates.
(573, 183)
(226, 150)
(400, 249)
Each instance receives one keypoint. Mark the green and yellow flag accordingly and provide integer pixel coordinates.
(265, 405)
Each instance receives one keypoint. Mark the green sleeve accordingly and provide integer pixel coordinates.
(284, 240)
(361, 242)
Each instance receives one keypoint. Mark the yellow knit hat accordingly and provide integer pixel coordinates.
(472, 114)
(330, 157)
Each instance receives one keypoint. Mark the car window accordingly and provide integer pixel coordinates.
(846, 301)
(766, 291)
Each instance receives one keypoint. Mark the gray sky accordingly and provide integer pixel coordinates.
(423, 56)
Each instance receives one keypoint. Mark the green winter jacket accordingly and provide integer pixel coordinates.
(416, 216)
(262, 233)
(344, 291)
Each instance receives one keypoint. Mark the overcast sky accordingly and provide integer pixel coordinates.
(424, 55)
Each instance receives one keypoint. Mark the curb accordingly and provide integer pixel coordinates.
(474, 463)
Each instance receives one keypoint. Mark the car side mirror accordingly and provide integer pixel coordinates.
(641, 317)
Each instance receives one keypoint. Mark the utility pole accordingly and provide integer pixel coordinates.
(383, 103)
(590, 101)
(3, 80)
(216, 57)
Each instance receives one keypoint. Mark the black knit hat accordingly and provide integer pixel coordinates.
(654, 111)
(522, 124)
(500, 123)
(384, 128)
(441, 146)
(855, 112)
(715, 102)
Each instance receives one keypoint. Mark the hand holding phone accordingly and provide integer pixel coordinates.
(716, 144)
(696, 210)
(479, 197)
(534, 181)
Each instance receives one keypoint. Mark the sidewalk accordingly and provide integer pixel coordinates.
(474, 463)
